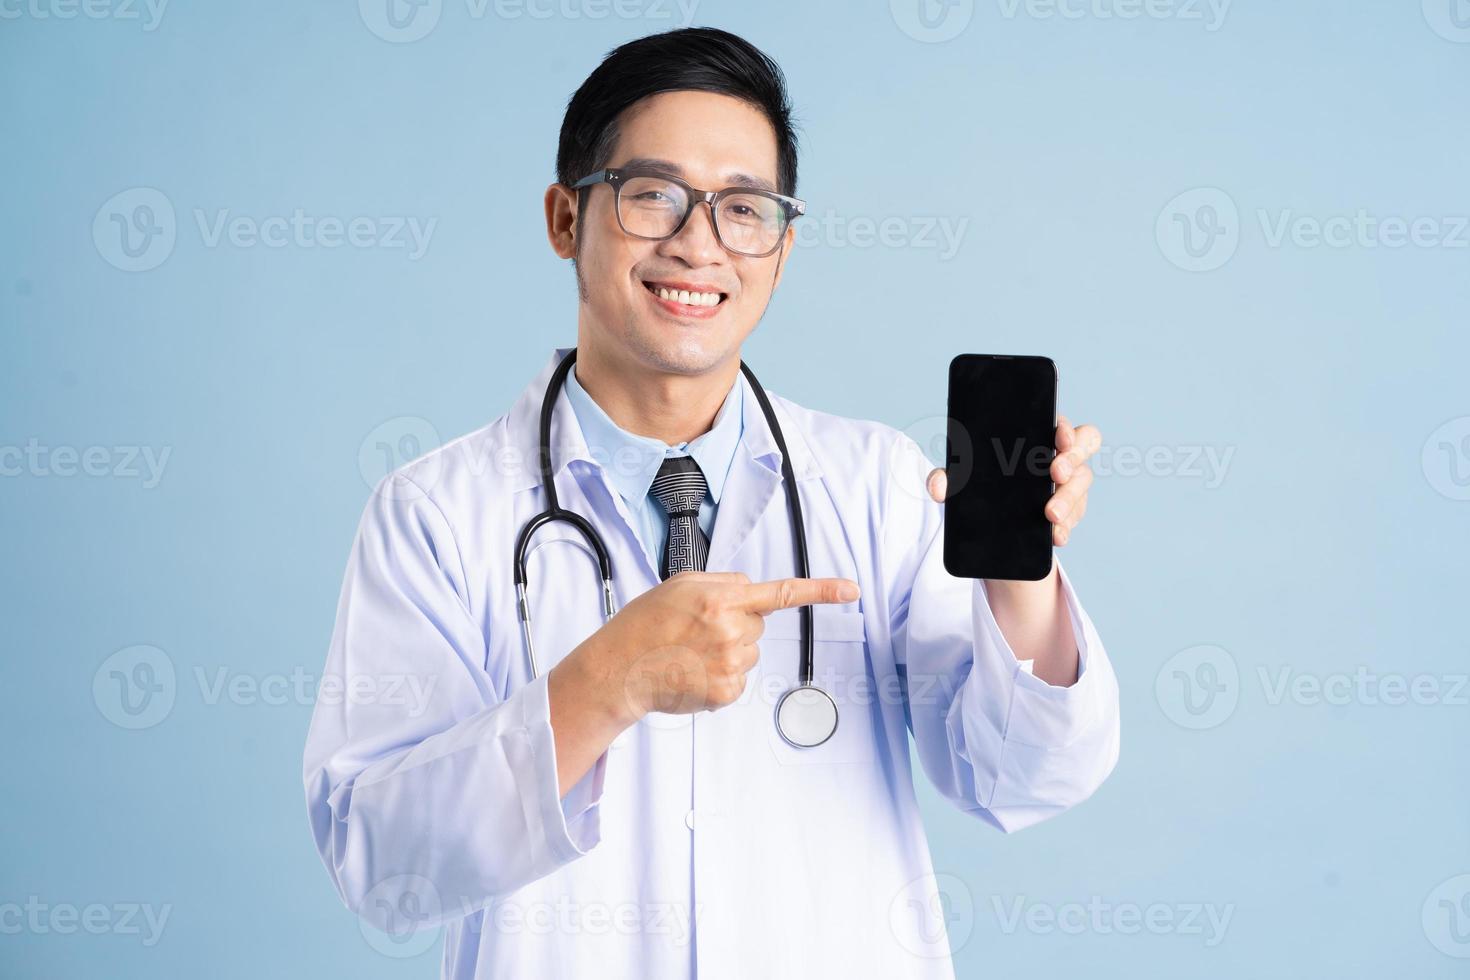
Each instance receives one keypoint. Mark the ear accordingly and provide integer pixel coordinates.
(561, 220)
(788, 240)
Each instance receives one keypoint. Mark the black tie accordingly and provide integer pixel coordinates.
(680, 488)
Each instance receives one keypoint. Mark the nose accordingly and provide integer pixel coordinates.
(696, 243)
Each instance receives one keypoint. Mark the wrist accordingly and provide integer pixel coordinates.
(1020, 591)
(592, 681)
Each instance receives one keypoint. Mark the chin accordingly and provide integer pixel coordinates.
(663, 350)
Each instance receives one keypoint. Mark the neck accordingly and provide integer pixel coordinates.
(648, 402)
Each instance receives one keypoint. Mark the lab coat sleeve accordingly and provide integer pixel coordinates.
(995, 739)
(427, 792)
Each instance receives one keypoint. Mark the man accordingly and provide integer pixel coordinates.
(629, 810)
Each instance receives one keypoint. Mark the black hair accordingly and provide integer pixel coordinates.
(693, 58)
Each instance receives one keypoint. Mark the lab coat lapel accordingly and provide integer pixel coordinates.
(754, 479)
(604, 500)
(581, 484)
(748, 492)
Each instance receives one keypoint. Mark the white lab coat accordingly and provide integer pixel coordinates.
(699, 845)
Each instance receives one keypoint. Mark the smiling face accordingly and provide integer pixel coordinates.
(632, 302)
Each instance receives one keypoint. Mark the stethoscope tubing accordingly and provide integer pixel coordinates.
(554, 512)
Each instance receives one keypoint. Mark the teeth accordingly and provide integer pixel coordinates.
(687, 298)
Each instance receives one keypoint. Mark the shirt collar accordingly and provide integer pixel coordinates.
(632, 461)
(515, 437)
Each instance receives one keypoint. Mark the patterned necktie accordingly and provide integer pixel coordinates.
(680, 488)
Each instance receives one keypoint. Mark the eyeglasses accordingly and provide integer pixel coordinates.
(655, 206)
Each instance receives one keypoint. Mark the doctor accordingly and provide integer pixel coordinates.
(630, 810)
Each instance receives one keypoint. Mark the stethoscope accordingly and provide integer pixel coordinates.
(806, 715)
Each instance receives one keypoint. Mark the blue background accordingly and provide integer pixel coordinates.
(1332, 542)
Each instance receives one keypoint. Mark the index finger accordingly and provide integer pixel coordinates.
(784, 593)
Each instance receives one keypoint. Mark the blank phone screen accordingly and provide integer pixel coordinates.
(1001, 442)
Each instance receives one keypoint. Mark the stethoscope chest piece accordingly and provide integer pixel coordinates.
(806, 716)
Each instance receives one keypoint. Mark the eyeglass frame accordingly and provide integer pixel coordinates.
(793, 207)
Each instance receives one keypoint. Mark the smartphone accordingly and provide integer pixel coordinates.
(1000, 445)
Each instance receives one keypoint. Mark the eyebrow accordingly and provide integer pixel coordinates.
(669, 167)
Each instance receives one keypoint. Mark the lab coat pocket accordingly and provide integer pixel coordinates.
(840, 662)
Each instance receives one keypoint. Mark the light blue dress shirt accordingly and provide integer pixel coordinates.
(632, 461)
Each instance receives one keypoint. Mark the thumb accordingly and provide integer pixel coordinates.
(938, 484)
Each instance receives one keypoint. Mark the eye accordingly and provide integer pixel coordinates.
(746, 211)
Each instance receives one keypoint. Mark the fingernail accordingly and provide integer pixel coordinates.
(848, 591)
(1064, 469)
